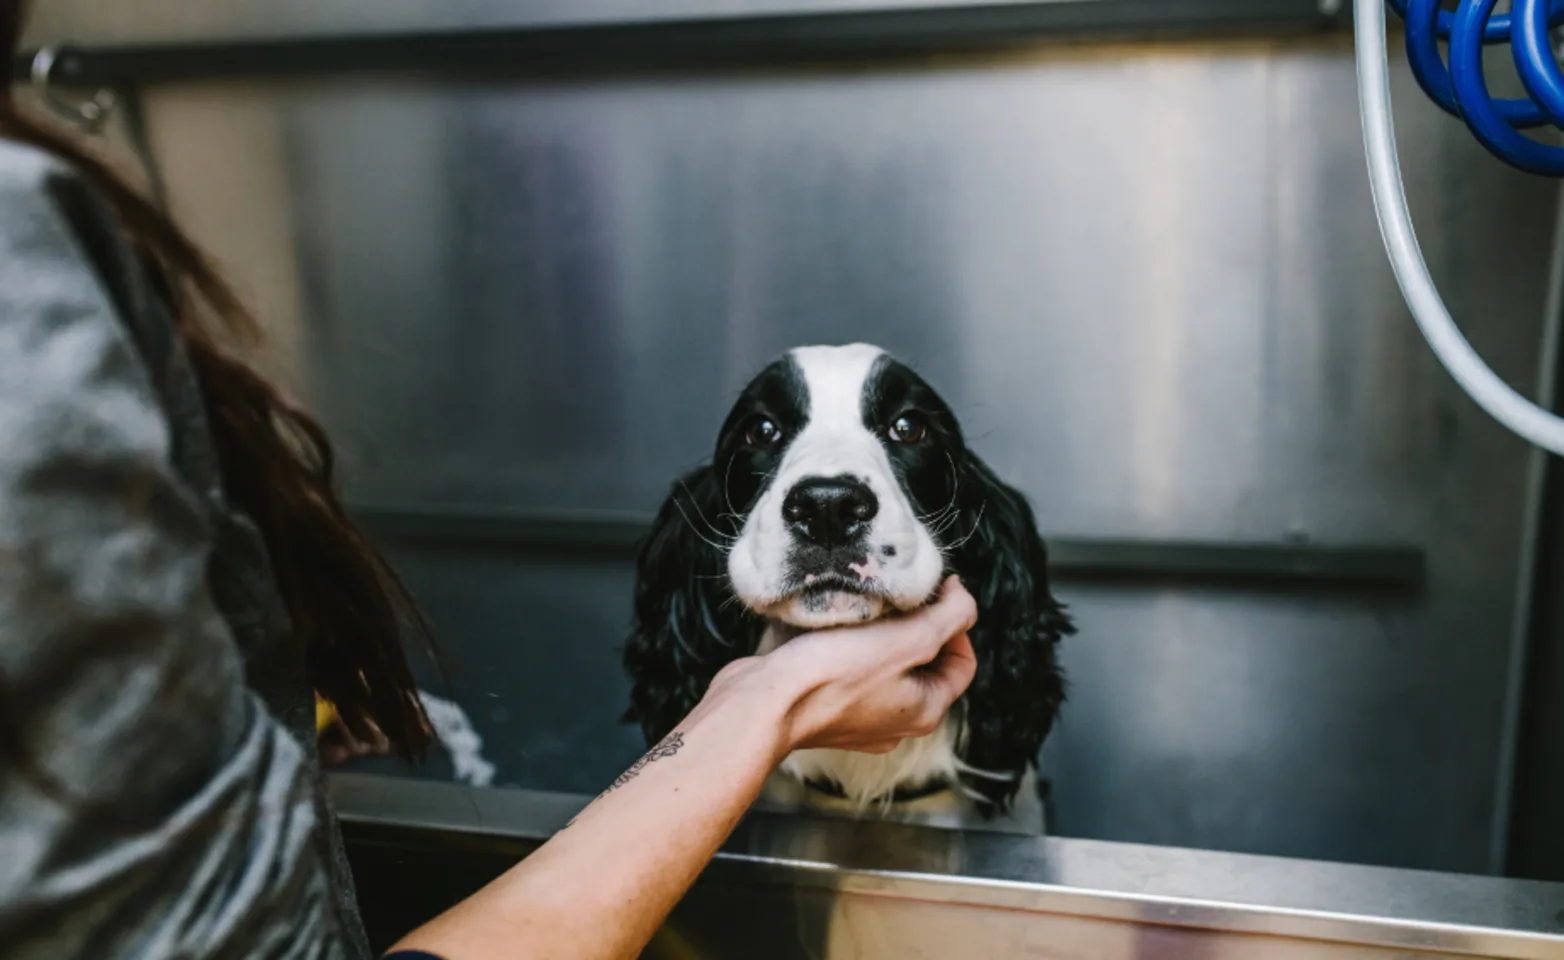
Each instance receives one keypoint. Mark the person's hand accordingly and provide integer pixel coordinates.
(866, 687)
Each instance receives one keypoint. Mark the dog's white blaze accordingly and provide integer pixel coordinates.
(835, 442)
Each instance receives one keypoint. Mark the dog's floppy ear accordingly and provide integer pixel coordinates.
(1013, 700)
(687, 623)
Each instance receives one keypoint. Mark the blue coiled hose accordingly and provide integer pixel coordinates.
(1461, 89)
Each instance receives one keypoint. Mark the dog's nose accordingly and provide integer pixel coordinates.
(829, 511)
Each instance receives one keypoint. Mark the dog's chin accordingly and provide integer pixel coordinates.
(822, 609)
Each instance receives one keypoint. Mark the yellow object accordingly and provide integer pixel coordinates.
(668, 945)
(325, 713)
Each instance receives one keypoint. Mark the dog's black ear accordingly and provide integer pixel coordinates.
(1019, 687)
(687, 623)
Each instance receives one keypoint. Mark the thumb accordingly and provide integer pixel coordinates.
(953, 612)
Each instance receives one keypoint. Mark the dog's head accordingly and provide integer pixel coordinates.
(842, 464)
(842, 488)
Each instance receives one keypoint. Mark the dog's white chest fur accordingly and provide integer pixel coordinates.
(866, 777)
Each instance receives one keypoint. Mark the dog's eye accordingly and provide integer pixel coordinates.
(763, 433)
(907, 428)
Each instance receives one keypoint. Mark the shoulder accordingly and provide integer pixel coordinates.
(35, 182)
(67, 358)
(22, 166)
(52, 220)
(54, 215)
(63, 253)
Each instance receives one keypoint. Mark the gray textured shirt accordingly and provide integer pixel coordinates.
(147, 669)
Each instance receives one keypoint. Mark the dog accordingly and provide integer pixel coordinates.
(842, 489)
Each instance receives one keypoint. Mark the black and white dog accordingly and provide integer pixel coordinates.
(841, 489)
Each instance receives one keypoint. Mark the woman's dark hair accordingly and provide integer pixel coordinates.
(348, 607)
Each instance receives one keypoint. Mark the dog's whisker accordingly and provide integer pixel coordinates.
(768, 476)
(715, 531)
(949, 509)
(976, 523)
(945, 523)
(937, 515)
(727, 496)
(720, 548)
(944, 526)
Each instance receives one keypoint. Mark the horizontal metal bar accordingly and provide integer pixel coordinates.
(524, 530)
(481, 831)
(660, 44)
(1255, 563)
(1073, 558)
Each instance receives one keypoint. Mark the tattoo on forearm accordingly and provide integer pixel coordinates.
(669, 746)
(666, 748)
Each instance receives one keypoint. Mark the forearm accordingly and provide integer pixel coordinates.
(601, 887)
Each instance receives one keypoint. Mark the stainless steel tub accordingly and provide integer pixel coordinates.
(787, 887)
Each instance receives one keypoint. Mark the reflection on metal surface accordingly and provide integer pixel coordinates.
(1172, 325)
(1027, 816)
(791, 888)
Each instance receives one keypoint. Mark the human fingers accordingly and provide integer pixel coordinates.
(953, 612)
(950, 673)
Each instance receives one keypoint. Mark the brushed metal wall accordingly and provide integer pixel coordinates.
(1147, 277)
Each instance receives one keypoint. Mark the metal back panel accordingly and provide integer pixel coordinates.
(1147, 278)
